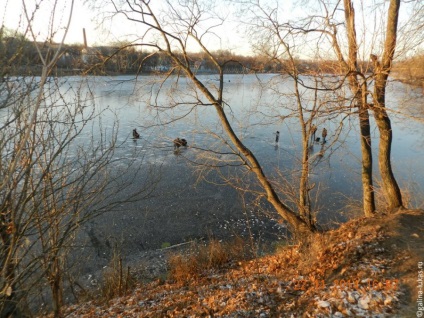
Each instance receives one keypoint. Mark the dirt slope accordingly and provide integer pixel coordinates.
(366, 268)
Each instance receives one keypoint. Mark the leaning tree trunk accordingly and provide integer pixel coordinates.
(300, 226)
(390, 186)
(286, 213)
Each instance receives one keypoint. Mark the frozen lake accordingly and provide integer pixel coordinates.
(188, 205)
(191, 199)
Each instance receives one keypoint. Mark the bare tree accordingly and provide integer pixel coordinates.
(51, 183)
(192, 24)
(311, 89)
(358, 86)
(334, 27)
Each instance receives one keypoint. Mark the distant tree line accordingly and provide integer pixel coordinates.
(411, 70)
(20, 57)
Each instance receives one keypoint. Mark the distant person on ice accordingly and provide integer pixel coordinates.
(136, 135)
(179, 142)
(324, 135)
(313, 132)
(277, 136)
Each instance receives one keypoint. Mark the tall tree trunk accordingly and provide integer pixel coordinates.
(390, 187)
(359, 91)
(304, 202)
(304, 205)
(368, 197)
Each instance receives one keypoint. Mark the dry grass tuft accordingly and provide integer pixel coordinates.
(381, 201)
(116, 281)
(215, 255)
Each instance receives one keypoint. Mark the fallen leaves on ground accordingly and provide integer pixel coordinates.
(342, 273)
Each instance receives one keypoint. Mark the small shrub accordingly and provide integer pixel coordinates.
(183, 268)
(381, 200)
(214, 255)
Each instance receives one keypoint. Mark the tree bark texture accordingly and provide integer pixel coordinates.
(390, 187)
(368, 196)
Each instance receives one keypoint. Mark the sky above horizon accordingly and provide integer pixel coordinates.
(103, 31)
(14, 18)
(99, 31)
